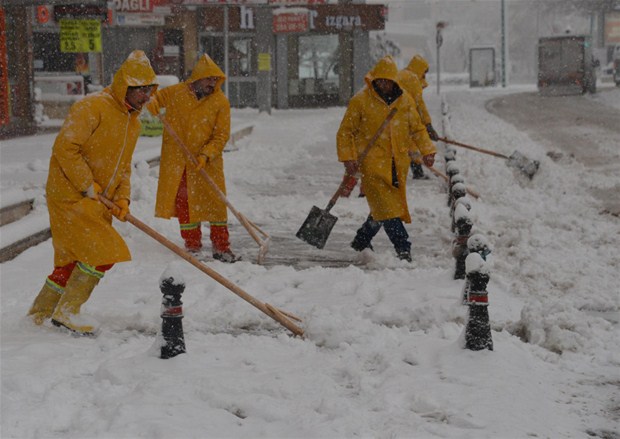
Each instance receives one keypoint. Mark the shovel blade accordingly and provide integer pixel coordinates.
(317, 227)
(522, 163)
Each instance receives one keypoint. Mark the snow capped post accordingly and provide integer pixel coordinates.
(463, 224)
(172, 286)
(478, 329)
(452, 170)
(450, 155)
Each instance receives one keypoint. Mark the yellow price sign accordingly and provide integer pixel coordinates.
(264, 62)
(80, 36)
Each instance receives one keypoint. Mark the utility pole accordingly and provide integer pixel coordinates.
(439, 41)
(503, 21)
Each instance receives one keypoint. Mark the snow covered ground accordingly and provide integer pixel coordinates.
(383, 355)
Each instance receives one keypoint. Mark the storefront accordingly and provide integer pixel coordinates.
(276, 53)
(315, 55)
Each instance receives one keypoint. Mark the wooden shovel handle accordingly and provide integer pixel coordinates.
(474, 148)
(471, 192)
(280, 317)
(249, 226)
(363, 155)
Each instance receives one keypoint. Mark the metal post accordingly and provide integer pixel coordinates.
(503, 21)
(439, 41)
(226, 51)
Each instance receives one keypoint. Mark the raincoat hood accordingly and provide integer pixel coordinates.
(419, 66)
(386, 68)
(204, 68)
(136, 71)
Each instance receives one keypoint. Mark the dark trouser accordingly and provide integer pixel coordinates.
(417, 171)
(394, 229)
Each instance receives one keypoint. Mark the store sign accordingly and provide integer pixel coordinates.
(321, 18)
(290, 22)
(133, 5)
(4, 74)
(80, 10)
(80, 36)
(142, 6)
(297, 2)
(43, 14)
(264, 62)
(334, 18)
(251, 2)
(139, 19)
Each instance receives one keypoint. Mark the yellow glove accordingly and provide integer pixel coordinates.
(121, 209)
(202, 162)
(93, 191)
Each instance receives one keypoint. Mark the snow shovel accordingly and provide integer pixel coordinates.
(318, 225)
(278, 315)
(516, 159)
(263, 244)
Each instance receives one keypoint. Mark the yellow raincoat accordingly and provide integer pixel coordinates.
(412, 80)
(204, 127)
(95, 144)
(405, 134)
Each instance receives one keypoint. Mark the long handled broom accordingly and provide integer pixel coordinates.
(253, 229)
(282, 317)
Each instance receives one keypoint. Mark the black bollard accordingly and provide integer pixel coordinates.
(463, 225)
(172, 315)
(459, 204)
(452, 170)
(478, 329)
(475, 244)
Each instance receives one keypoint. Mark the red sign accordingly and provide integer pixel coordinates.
(43, 14)
(290, 22)
(4, 74)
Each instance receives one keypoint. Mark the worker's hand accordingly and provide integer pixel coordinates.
(432, 133)
(121, 209)
(351, 168)
(347, 185)
(202, 162)
(429, 160)
(93, 191)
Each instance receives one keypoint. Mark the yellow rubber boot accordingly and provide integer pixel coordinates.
(79, 287)
(45, 303)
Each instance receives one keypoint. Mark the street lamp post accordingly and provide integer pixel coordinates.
(439, 41)
(503, 24)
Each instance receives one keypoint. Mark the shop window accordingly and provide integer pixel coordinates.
(47, 55)
(240, 54)
(318, 65)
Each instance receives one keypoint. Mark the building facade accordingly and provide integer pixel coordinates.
(276, 53)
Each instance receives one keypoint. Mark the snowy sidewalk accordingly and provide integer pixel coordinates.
(382, 356)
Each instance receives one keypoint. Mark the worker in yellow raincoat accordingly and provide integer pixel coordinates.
(384, 170)
(199, 114)
(91, 156)
(413, 80)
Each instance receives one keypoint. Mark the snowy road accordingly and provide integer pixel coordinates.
(572, 126)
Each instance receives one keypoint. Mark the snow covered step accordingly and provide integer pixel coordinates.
(23, 234)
